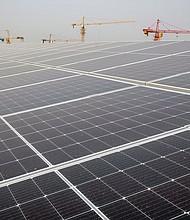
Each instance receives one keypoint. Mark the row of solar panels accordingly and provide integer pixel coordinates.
(75, 145)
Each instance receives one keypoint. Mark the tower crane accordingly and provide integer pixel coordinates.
(158, 33)
(53, 38)
(50, 40)
(83, 24)
(8, 37)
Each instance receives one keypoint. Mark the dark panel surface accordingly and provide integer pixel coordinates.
(54, 92)
(39, 209)
(154, 206)
(122, 210)
(77, 174)
(25, 191)
(123, 184)
(68, 203)
(175, 193)
(50, 183)
(146, 176)
(168, 168)
(139, 181)
(98, 193)
(12, 214)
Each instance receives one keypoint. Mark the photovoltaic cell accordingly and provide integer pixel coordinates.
(12, 213)
(88, 215)
(182, 200)
(146, 175)
(185, 180)
(25, 191)
(77, 174)
(168, 168)
(98, 192)
(119, 181)
(50, 183)
(68, 203)
(121, 210)
(154, 206)
(40, 208)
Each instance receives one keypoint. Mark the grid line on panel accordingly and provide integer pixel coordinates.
(65, 180)
(65, 102)
(170, 77)
(41, 49)
(178, 80)
(91, 156)
(38, 83)
(38, 63)
(151, 84)
(154, 118)
(125, 52)
(73, 55)
(81, 195)
(65, 56)
(22, 68)
(113, 191)
(81, 53)
(27, 143)
(22, 73)
(32, 194)
(115, 54)
(143, 61)
(161, 197)
(12, 67)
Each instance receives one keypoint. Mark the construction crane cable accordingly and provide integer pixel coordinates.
(152, 25)
(163, 22)
(165, 26)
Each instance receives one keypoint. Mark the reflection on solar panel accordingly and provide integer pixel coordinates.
(95, 131)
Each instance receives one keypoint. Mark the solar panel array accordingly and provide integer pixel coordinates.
(95, 131)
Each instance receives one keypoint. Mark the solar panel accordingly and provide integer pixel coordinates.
(152, 69)
(80, 140)
(11, 70)
(32, 77)
(74, 87)
(182, 80)
(108, 62)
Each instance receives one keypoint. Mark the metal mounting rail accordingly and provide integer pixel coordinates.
(139, 82)
(82, 196)
(57, 167)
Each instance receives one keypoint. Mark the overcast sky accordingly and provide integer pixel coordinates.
(36, 19)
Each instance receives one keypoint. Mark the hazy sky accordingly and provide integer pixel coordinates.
(36, 19)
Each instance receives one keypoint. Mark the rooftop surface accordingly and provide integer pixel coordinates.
(99, 130)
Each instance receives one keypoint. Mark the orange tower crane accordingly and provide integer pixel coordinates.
(83, 24)
(8, 37)
(158, 33)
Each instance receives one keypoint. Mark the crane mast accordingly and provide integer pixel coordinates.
(8, 38)
(158, 33)
(83, 24)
